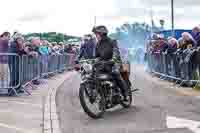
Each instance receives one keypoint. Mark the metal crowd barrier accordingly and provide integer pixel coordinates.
(16, 72)
(9, 76)
(172, 66)
(71, 63)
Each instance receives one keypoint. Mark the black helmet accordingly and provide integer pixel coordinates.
(100, 29)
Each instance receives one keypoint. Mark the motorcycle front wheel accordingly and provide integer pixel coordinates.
(87, 104)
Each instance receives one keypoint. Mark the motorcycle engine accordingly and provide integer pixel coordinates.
(87, 67)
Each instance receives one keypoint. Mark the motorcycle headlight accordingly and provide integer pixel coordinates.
(87, 67)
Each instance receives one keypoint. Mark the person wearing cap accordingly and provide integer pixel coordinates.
(107, 49)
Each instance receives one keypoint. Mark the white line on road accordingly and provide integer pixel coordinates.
(174, 122)
(21, 130)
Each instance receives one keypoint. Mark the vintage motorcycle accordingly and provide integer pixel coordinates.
(98, 90)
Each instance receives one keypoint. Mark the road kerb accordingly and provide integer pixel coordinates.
(51, 122)
(51, 118)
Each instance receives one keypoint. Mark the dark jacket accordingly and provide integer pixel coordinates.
(3, 49)
(14, 48)
(87, 50)
(163, 45)
(172, 48)
(107, 49)
(196, 37)
(15, 63)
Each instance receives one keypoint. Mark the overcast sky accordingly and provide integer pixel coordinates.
(76, 17)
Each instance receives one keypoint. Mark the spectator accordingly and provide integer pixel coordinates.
(87, 50)
(75, 50)
(154, 36)
(68, 49)
(54, 44)
(4, 40)
(186, 41)
(27, 47)
(61, 47)
(4, 69)
(56, 48)
(163, 44)
(16, 47)
(173, 45)
(156, 46)
(65, 48)
(34, 47)
(44, 52)
(43, 49)
(196, 35)
(50, 49)
(35, 53)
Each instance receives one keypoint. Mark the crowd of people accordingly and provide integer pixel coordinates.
(187, 40)
(30, 47)
(34, 46)
(175, 57)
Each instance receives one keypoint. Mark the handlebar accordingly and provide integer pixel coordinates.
(88, 60)
(97, 61)
(109, 62)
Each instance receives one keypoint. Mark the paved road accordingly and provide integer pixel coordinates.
(156, 109)
(24, 114)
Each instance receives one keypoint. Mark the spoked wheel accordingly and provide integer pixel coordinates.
(93, 107)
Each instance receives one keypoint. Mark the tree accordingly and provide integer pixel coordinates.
(51, 36)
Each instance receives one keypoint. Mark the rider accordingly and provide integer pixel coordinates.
(107, 49)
